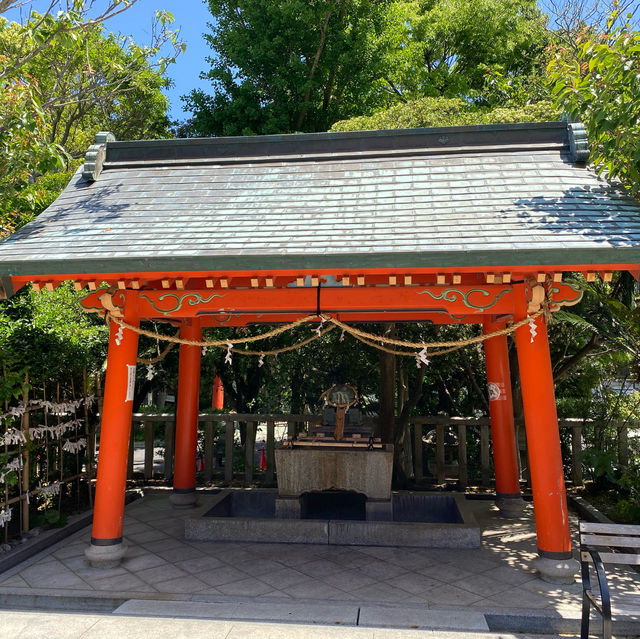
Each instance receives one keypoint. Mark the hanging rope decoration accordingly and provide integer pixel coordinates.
(421, 351)
(149, 362)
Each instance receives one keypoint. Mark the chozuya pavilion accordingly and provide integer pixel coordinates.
(450, 225)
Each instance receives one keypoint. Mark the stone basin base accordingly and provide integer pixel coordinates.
(419, 520)
(301, 470)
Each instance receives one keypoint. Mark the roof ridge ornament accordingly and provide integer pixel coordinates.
(96, 154)
(578, 142)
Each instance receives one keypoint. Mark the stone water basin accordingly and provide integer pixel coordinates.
(424, 520)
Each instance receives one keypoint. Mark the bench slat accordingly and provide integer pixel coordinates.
(615, 529)
(610, 540)
(620, 558)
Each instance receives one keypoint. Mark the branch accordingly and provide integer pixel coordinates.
(395, 89)
(115, 8)
(415, 397)
(564, 369)
(314, 66)
(472, 379)
(7, 5)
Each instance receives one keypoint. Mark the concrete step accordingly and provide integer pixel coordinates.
(325, 613)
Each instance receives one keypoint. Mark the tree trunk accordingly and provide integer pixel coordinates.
(314, 66)
(403, 388)
(402, 454)
(387, 390)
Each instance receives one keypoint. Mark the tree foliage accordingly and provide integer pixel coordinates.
(92, 79)
(24, 144)
(290, 65)
(301, 66)
(429, 112)
(48, 335)
(447, 46)
(62, 79)
(598, 84)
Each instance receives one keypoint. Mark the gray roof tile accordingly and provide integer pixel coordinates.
(480, 204)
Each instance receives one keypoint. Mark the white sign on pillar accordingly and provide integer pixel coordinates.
(131, 382)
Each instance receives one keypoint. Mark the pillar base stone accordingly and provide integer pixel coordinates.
(105, 556)
(557, 571)
(184, 500)
(510, 507)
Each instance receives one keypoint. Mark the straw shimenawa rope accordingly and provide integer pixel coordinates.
(370, 339)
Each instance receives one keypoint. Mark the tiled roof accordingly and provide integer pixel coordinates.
(464, 196)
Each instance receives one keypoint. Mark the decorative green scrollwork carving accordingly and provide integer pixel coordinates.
(565, 294)
(191, 299)
(223, 320)
(91, 303)
(457, 295)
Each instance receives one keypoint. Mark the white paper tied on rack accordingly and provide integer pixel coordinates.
(12, 437)
(74, 447)
(261, 360)
(228, 357)
(119, 335)
(14, 465)
(533, 329)
(51, 489)
(5, 517)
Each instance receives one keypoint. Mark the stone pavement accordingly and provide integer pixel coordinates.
(492, 588)
(32, 625)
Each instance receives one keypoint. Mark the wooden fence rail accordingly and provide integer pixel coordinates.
(441, 446)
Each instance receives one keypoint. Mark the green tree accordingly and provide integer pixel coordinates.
(291, 65)
(24, 145)
(598, 84)
(95, 80)
(25, 133)
(60, 95)
(429, 112)
(48, 335)
(447, 46)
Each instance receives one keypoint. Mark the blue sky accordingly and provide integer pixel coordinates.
(191, 16)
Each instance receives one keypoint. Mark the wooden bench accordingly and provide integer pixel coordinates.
(602, 544)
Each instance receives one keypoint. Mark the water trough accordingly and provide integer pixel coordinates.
(426, 520)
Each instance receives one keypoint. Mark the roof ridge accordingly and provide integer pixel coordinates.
(331, 145)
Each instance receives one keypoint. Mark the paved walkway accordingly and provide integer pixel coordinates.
(492, 588)
(31, 625)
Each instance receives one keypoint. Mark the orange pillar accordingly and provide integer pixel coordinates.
(184, 474)
(218, 393)
(106, 536)
(545, 459)
(505, 460)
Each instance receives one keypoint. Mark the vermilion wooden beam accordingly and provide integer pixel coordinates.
(244, 319)
(456, 300)
(449, 302)
(467, 274)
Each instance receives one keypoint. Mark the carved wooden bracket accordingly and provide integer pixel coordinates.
(106, 299)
